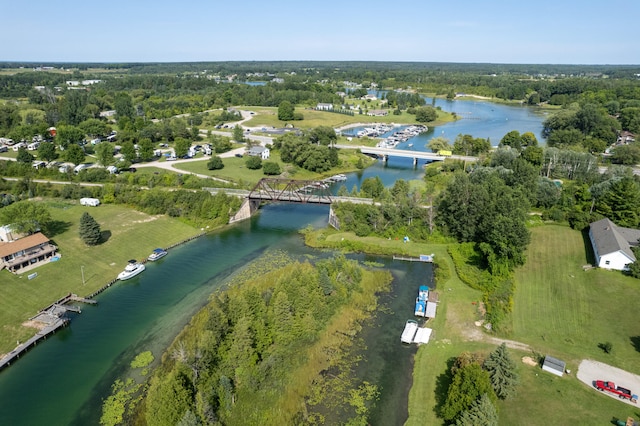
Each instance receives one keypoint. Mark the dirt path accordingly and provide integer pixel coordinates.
(590, 370)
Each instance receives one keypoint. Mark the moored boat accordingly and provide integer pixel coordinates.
(157, 254)
(410, 330)
(132, 269)
(421, 301)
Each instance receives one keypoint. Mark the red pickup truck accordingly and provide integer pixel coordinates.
(623, 393)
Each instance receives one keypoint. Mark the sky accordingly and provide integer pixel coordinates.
(489, 31)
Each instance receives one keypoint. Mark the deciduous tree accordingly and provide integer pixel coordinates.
(73, 154)
(25, 216)
(24, 156)
(215, 163)
(47, 151)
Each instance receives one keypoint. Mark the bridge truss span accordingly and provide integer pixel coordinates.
(297, 191)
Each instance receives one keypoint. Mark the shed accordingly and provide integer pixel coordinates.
(554, 365)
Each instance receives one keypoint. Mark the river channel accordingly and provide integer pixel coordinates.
(63, 380)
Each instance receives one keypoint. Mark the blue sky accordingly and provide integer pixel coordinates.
(499, 31)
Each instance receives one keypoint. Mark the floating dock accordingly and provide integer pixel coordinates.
(423, 258)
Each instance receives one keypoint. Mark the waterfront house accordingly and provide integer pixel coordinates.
(26, 252)
(378, 112)
(612, 244)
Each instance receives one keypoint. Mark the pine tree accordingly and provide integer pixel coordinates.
(502, 371)
(89, 230)
(481, 413)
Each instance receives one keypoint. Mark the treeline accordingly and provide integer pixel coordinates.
(258, 353)
(194, 205)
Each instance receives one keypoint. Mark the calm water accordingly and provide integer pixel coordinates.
(479, 119)
(63, 380)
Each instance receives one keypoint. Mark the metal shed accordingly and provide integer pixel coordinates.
(554, 365)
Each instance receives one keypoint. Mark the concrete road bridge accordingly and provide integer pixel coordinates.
(385, 153)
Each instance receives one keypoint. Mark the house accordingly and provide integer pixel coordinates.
(612, 244)
(26, 252)
(324, 107)
(626, 138)
(259, 151)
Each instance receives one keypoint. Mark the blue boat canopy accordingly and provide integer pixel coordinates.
(158, 250)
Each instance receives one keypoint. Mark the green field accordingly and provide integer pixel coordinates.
(130, 235)
(559, 309)
(235, 169)
(268, 117)
(565, 311)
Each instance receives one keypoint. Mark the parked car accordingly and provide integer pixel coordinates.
(239, 155)
(4, 149)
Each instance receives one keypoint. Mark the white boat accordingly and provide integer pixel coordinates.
(410, 330)
(157, 254)
(132, 269)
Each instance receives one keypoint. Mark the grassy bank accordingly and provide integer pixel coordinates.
(560, 310)
(128, 233)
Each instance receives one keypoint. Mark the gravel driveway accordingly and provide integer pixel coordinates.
(589, 371)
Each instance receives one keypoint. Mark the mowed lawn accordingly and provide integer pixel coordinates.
(566, 311)
(130, 235)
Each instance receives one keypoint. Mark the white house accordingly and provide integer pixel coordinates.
(324, 107)
(612, 244)
(259, 151)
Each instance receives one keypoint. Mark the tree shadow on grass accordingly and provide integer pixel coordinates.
(443, 381)
(635, 341)
(104, 236)
(57, 227)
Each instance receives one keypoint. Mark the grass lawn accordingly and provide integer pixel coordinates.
(268, 117)
(565, 311)
(235, 169)
(131, 235)
(558, 310)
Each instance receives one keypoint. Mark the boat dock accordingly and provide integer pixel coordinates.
(423, 258)
(51, 319)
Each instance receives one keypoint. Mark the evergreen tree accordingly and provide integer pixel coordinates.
(89, 230)
(502, 371)
(480, 413)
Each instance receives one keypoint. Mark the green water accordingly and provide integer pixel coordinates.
(63, 380)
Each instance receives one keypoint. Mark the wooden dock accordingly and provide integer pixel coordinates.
(422, 258)
(52, 317)
(54, 324)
